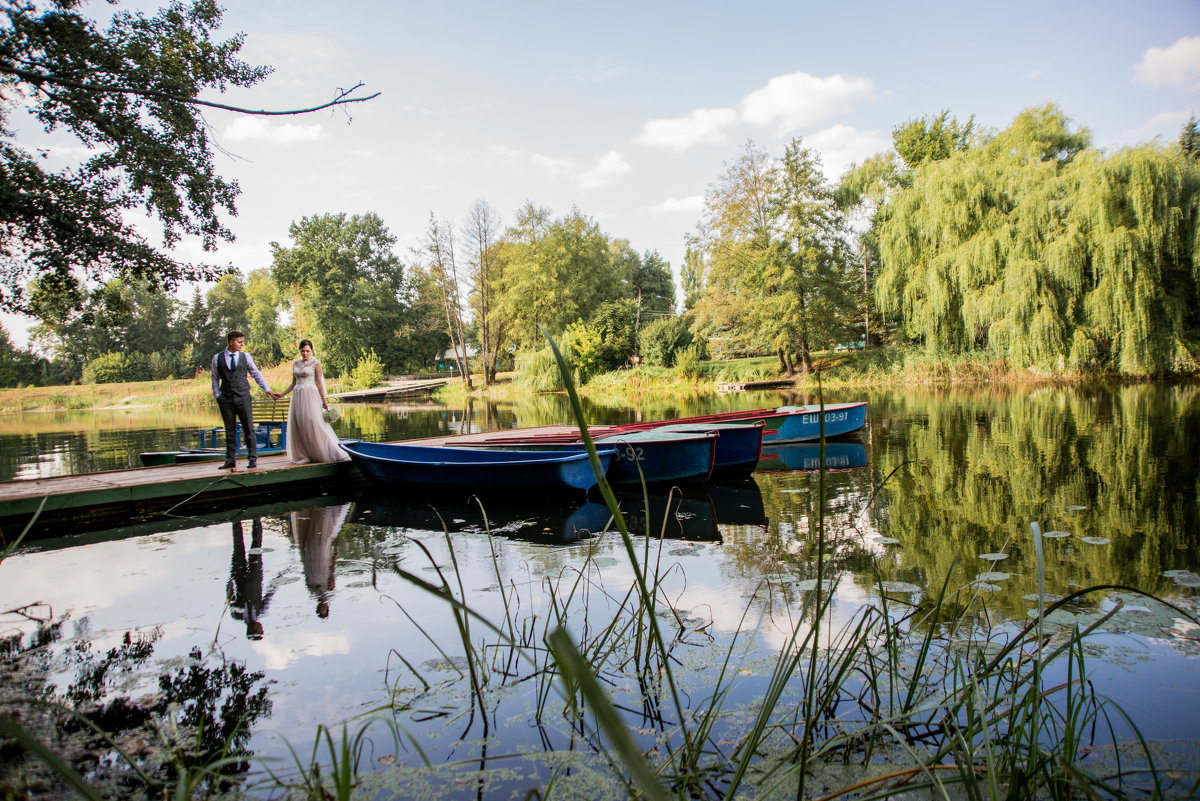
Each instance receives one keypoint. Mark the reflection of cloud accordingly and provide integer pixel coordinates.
(1177, 65)
(791, 102)
(282, 649)
(704, 125)
(245, 129)
(692, 203)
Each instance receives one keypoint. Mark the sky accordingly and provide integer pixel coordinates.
(628, 111)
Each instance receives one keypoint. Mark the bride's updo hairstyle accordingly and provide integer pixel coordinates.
(304, 342)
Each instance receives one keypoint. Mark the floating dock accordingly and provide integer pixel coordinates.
(67, 504)
(399, 389)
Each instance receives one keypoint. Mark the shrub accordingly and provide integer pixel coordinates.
(661, 340)
(689, 362)
(367, 373)
(107, 368)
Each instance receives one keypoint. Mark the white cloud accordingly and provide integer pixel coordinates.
(791, 102)
(607, 169)
(1177, 65)
(1166, 124)
(843, 145)
(690, 204)
(704, 125)
(555, 168)
(246, 129)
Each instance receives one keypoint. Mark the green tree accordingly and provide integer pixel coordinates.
(272, 342)
(438, 251)
(932, 138)
(1189, 139)
(655, 286)
(615, 324)
(1033, 248)
(132, 94)
(552, 273)
(347, 286)
(228, 310)
(692, 272)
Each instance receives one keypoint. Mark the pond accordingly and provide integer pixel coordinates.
(417, 631)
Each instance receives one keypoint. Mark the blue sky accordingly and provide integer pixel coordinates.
(629, 110)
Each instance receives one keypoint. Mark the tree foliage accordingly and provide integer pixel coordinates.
(346, 284)
(1038, 250)
(130, 94)
(775, 259)
(932, 138)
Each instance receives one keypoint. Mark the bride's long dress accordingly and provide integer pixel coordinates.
(309, 437)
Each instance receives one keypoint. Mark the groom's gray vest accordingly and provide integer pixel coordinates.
(233, 384)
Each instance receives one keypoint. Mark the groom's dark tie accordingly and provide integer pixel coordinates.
(233, 361)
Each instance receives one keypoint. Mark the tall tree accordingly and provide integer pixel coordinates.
(1189, 139)
(438, 249)
(862, 193)
(481, 232)
(132, 95)
(270, 341)
(346, 284)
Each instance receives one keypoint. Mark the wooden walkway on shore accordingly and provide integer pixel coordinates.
(119, 497)
(397, 389)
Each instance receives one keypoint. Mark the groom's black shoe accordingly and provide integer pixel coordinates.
(252, 463)
(227, 464)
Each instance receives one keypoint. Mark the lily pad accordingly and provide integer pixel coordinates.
(993, 575)
(279, 581)
(1095, 540)
(1059, 617)
(993, 557)
(1054, 535)
(1184, 578)
(1076, 508)
(1049, 597)
(811, 584)
(983, 586)
(259, 550)
(887, 540)
(604, 561)
(898, 586)
(792, 490)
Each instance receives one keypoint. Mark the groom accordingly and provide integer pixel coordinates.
(232, 391)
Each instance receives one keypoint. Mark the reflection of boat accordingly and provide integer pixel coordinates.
(555, 522)
(792, 423)
(474, 470)
(807, 456)
(674, 515)
(739, 504)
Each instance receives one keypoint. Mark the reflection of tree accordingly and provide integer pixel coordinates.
(983, 467)
(198, 716)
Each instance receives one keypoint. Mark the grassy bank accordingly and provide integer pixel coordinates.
(844, 368)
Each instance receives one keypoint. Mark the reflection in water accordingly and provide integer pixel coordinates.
(807, 456)
(245, 589)
(315, 532)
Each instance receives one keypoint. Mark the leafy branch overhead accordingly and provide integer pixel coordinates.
(131, 95)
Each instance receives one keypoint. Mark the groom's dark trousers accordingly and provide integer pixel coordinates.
(234, 402)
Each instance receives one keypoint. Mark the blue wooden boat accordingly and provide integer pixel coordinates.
(791, 423)
(737, 449)
(434, 467)
(669, 457)
(807, 456)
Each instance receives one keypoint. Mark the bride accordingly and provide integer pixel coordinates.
(309, 437)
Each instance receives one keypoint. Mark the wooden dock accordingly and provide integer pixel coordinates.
(398, 389)
(121, 497)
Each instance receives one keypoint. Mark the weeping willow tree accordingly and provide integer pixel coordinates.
(1036, 249)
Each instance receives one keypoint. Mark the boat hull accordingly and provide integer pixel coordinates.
(433, 467)
(792, 423)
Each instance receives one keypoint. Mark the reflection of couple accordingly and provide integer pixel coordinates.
(315, 532)
(245, 590)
